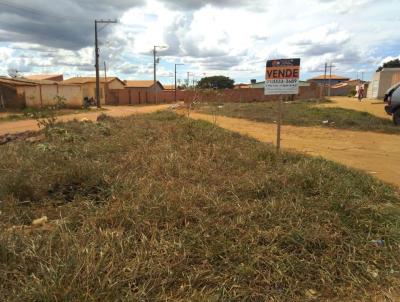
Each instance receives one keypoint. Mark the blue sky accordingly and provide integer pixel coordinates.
(233, 38)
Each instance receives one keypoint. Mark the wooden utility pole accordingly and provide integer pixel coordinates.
(105, 83)
(278, 132)
(97, 55)
(330, 78)
(175, 82)
(155, 73)
(155, 61)
(326, 67)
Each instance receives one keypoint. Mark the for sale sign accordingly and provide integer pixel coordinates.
(282, 76)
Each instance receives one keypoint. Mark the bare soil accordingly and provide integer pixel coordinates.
(120, 111)
(374, 107)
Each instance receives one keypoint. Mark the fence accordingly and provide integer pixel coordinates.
(146, 96)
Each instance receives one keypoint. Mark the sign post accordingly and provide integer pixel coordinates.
(282, 78)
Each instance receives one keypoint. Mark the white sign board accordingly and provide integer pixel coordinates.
(282, 76)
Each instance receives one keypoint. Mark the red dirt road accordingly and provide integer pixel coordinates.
(120, 111)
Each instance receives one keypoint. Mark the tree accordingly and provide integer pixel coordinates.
(391, 64)
(217, 82)
(13, 73)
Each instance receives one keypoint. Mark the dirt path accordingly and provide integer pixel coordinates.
(375, 153)
(120, 111)
(374, 107)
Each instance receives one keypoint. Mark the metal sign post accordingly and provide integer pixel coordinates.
(278, 130)
(282, 78)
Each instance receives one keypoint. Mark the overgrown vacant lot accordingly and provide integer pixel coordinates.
(305, 113)
(162, 208)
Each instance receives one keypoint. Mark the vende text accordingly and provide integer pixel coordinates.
(283, 73)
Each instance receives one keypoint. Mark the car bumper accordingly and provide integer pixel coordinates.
(388, 110)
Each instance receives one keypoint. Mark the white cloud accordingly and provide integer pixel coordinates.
(230, 37)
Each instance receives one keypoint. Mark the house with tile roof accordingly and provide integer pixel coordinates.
(22, 92)
(328, 79)
(143, 91)
(88, 85)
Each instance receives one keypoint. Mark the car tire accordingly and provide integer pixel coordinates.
(396, 117)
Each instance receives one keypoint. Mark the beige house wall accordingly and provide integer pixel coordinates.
(72, 94)
(89, 89)
(45, 95)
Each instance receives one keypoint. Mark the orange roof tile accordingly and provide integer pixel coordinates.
(333, 77)
(42, 76)
(139, 83)
(85, 80)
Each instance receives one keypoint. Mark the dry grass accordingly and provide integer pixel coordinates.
(305, 113)
(162, 208)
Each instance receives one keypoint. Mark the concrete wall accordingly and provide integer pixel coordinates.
(45, 95)
(89, 90)
(115, 84)
(73, 95)
(342, 91)
(136, 96)
(131, 97)
(382, 81)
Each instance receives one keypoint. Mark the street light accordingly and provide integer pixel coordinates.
(96, 48)
(155, 61)
(175, 79)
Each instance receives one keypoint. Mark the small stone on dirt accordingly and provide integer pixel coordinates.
(40, 221)
(311, 293)
(36, 139)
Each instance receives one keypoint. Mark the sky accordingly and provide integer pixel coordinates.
(210, 37)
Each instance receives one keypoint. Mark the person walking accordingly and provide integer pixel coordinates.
(360, 93)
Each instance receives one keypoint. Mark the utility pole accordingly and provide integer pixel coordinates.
(175, 81)
(96, 48)
(330, 77)
(326, 66)
(155, 61)
(155, 73)
(105, 83)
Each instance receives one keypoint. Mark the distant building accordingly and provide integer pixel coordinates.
(170, 87)
(255, 84)
(262, 84)
(88, 85)
(382, 81)
(241, 86)
(346, 88)
(332, 80)
(48, 77)
(142, 91)
(143, 84)
(21, 92)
